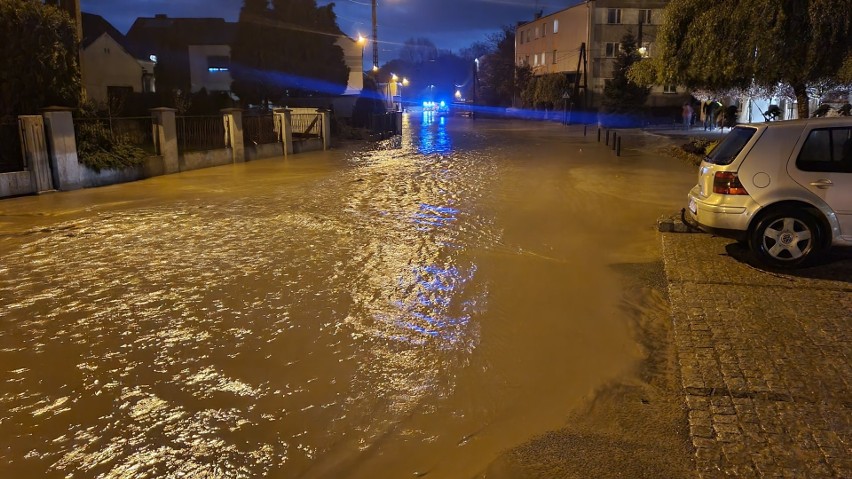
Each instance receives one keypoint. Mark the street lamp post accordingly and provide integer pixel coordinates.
(404, 83)
(375, 40)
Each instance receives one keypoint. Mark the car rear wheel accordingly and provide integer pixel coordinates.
(786, 239)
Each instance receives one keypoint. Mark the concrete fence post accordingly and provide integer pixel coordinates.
(59, 130)
(165, 138)
(284, 123)
(326, 128)
(233, 118)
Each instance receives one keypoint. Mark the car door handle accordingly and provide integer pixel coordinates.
(822, 184)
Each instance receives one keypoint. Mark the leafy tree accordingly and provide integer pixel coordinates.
(722, 44)
(621, 95)
(497, 72)
(38, 58)
(523, 79)
(288, 50)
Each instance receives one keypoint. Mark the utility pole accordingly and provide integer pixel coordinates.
(375, 39)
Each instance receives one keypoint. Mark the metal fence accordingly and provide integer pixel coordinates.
(259, 130)
(199, 133)
(306, 125)
(11, 154)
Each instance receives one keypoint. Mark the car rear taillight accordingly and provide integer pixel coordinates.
(727, 183)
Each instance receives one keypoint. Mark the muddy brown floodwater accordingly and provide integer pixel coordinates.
(412, 308)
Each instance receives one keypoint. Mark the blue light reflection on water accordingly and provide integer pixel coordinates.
(434, 137)
(434, 312)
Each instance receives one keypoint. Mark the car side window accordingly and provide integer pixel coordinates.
(828, 150)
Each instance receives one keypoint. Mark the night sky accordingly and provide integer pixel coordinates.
(450, 24)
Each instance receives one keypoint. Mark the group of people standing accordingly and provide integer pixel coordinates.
(711, 111)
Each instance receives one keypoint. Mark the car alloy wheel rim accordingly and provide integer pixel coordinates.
(787, 239)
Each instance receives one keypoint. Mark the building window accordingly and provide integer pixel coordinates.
(612, 49)
(556, 26)
(670, 89)
(536, 32)
(218, 64)
(527, 60)
(613, 15)
(528, 35)
(544, 30)
(535, 60)
(554, 57)
(645, 16)
(543, 59)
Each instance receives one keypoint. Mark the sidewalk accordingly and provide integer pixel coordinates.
(764, 360)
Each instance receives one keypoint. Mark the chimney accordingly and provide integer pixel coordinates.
(161, 16)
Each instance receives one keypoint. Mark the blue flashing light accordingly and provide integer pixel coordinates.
(443, 103)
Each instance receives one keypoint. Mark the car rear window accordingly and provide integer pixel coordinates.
(730, 146)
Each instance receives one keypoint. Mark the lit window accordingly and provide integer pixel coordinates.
(556, 26)
(218, 64)
(536, 32)
(535, 60)
(613, 15)
(670, 89)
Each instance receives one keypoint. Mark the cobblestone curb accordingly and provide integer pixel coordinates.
(764, 362)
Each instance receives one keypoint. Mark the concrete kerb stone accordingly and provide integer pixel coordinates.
(764, 363)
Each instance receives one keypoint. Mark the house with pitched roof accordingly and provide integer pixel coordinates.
(108, 66)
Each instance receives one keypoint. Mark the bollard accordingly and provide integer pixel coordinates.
(614, 136)
(584, 130)
(618, 147)
(607, 138)
(599, 134)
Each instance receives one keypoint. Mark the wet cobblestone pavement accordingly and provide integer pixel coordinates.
(764, 360)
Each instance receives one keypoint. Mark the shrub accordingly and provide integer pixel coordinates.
(98, 149)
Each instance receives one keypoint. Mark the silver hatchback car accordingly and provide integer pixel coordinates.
(784, 188)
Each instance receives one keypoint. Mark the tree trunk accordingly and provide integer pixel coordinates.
(802, 100)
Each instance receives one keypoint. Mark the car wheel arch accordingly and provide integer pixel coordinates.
(816, 212)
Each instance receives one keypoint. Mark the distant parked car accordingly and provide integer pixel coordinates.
(784, 188)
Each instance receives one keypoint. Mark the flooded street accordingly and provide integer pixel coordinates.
(403, 309)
